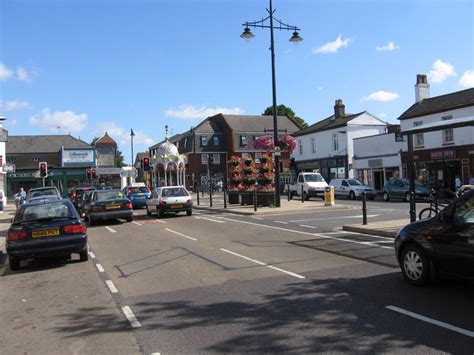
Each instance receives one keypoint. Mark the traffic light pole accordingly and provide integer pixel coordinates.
(44, 183)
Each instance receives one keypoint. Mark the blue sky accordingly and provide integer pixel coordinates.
(86, 67)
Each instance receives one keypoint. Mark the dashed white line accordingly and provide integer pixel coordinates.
(138, 224)
(111, 286)
(432, 321)
(180, 234)
(324, 219)
(304, 225)
(99, 267)
(282, 222)
(258, 218)
(92, 255)
(210, 219)
(264, 264)
(110, 229)
(131, 317)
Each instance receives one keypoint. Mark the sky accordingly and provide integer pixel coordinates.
(88, 67)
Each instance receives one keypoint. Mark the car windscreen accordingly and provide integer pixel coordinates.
(44, 211)
(313, 178)
(137, 190)
(109, 195)
(80, 192)
(38, 193)
(354, 182)
(174, 192)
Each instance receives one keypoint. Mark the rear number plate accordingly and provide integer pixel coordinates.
(112, 207)
(176, 206)
(45, 233)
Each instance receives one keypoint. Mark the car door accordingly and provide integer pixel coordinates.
(453, 240)
(398, 189)
(344, 188)
(153, 201)
(299, 184)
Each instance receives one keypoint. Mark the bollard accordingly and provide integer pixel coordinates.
(224, 191)
(197, 196)
(210, 196)
(202, 191)
(255, 200)
(412, 207)
(364, 209)
(302, 193)
(289, 193)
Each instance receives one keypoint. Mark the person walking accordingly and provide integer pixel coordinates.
(457, 183)
(20, 197)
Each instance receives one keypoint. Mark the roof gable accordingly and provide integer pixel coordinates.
(328, 123)
(43, 144)
(105, 140)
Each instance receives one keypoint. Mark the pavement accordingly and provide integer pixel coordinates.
(384, 228)
(5, 218)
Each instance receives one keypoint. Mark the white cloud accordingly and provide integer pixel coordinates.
(66, 121)
(333, 47)
(467, 79)
(5, 73)
(122, 135)
(383, 115)
(189, 112)
(23, 75)
(441, 71)
(15, 105)
(390, 46)
(382, 96)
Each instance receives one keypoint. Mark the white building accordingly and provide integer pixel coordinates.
(440, 156)
(3, 173)
(327, 146)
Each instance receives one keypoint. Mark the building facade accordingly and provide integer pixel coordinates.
(107, 170)
(442, 155)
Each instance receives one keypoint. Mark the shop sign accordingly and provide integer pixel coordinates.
(307, 165)
(9, 168)
(78, 156)
(108, 171)
(443, 154)
(373, 163)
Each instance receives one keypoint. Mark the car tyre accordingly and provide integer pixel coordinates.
(352, 195)
(159, 213)
(386, 196)
(148, 213)
(305, 196)
(14, 263)
(407, 197)
(189, 213)
(90, 220)
(415, 265)
(129, 219)
(84, 255)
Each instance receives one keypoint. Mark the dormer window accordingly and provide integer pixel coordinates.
(215, 140)
(203, 140)
(243, 140)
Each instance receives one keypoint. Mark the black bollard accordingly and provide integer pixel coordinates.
(197, 195)
(210, 196)
(289, 193)
(412, 207)
(302, 193)
(202, 191)
(364, 209)
(224, 191)
(255, 200)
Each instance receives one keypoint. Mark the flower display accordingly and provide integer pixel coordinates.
(287, 143)
(265, 158)
(235, 161)
(263, 142)
(248, 161)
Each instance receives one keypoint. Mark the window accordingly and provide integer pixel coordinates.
(35, 159)
(448, 134)
(11, 159)
(203, 140)
(300, 146)
(419, 137)
(257, 157)
(335, 142)
(243, 140)
(245, 155)
(215, 140)
(185, 142)
(313, 145)
(216, 158)
(344, 183)
(204, 158)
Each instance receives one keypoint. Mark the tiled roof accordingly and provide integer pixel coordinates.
(42, 144)
(246, 123)
(441, 103)
(105, 140)
(328, 123)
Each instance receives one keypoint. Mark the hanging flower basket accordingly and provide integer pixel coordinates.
(287, 143)
(248, 161)
(264, 143)
(235, 161)
(265, 158)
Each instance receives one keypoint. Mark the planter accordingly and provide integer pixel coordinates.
(246, 198)
(265, 198)
(233, 198)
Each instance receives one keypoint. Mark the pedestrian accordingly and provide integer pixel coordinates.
(219, 186)
(457, 183)
(20, 197)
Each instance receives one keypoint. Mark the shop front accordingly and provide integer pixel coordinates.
(329, 168)
(375, 172)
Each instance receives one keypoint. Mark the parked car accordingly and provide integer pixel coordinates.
(441, 244)
(107, 205)
(77, 192)
(308, 184)
(400, 188)
(169, 199)
(44, 229)
(81, 202)
(351, 188)
(43, 193)
(138, 193)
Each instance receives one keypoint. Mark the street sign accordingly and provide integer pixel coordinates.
(129, 173)
(9, 168)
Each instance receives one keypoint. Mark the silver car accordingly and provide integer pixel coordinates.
(169, 199)
(351, 188)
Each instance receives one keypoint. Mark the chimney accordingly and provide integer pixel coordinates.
(339, 109)
(422, 88)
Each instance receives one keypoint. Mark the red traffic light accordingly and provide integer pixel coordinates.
(43, 168)
(94, 173)
(146, 163)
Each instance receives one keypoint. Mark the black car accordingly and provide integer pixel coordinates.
(81, 201)
(77, 192)
(46, 228)
(441, 244)
(106, 205)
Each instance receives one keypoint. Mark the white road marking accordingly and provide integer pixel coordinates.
(180, 234)
(138, 224)
(110, 229)
(324, 219)
(304, 225)
(111, 286)
(92, 255)
(264, 264)
(99, 267)
(282, 222)
(258, 218)
(131, 317)
(210, 219)
(320, 235)
(432, 321)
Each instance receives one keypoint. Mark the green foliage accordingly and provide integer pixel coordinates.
(283, 110)
(119, 160)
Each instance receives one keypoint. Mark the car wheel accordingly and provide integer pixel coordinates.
(189, 213)
(386, 197)
(407, 197)
(159, 213)
(129, 219)
(84, 255)
(90, 220)
(352, 195)
(415, 265)
(14, 263)
(148, 213)
(305, 196)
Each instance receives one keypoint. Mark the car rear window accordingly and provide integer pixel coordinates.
(42, 193)
(137, 190)
(109, 195)
(174, 192)
(48, 210)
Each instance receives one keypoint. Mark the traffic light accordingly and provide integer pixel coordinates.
(146, 163)
(93, 174)
(88, 173)
(43, 168)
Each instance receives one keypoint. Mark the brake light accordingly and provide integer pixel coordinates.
(129, 192)
(129, 206)
(98, 209)
(189, 201)
(75, 229)
(73, 195)
(162, 202)
(16, 234)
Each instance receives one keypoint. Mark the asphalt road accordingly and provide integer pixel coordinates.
(217, 282)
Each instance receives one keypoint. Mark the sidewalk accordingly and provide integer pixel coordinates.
(5, 218)
(384, 228)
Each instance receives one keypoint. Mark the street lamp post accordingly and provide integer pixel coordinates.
(132, 134)
(295, 38)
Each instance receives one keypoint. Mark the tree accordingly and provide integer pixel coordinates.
(283, 110)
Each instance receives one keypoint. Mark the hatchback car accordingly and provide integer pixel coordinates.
(137, 194)
(400, 188)
(43, 193)
(169, 199)
(444, 243)
(351, 188)
(46, 229)
(106, 205)
(77, 192)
